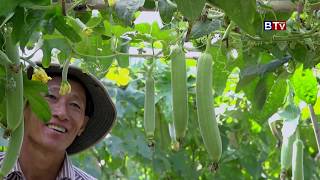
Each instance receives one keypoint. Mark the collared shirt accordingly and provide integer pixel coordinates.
(67, 172)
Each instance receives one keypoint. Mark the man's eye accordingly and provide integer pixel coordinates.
(76, 105)
(51, 96)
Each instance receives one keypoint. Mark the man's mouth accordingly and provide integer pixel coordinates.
(57, 128)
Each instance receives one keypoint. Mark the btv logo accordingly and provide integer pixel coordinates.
(275, 25)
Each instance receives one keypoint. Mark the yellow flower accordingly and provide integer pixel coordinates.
(40, 75)
(124, 71)
(123, 80)
(119, 75)
(65, 88)
(112, 74)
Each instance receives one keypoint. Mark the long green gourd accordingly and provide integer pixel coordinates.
(149, 110)
(286, 155)
(205, 109)
(13, 150)
(297, 160)
(179, 91)
(14, 105)
(14, 88)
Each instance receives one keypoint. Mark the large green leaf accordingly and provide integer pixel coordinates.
(95, 19)
(96, 53)
(242, 12)
(190, 9)
(8, 6)
(220, 73)
(25, 22)
(125, 9)
(115, 29)
(54, 41)
(275, 98)
(202, 28)
(123, 47)
(65, 29)
(153, 32)
(33, 91)
(249, 73)
(305, 85)
(261, 91)
(149, 4)
(166, 9)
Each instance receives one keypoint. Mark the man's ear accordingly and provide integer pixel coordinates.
(83, 127)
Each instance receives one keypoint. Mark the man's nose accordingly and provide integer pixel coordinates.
(59, 110)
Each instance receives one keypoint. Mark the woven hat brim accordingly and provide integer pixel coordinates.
(104, 112)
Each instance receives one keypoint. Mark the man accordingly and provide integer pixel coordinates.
(79, 120)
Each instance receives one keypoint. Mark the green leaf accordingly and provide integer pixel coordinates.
(161, 34)
(275, 98)
(76, 24)
(123, 47)
(251, 72)
(220, 73)
(40, 106)
(299, 52)
(95, 47)
(113, 29)
(125, 9)
(261, 93)
(305, 85)
(116, 147)
(190, 9)
(18, 24)
(242, 12)
(54, 41)
(65, 29)
(8, 6)
(95, 19)
(153, 32)
(202, 28)
(149, 4)
(166, 9)
(25, 22)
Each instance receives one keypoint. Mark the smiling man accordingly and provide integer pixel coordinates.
(79, 120)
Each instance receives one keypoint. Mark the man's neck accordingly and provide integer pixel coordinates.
(37, 163)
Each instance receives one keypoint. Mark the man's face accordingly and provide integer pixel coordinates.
(68, 118)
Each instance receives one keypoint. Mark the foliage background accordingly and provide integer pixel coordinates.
(253, 72)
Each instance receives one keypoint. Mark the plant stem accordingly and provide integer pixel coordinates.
(228, 30)
(315, 125)
(284, 38)
(39, 7)
(37, 48)
(208, 43)
(9, 16)
(65, 69)
(4, 60)
(31, 63)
